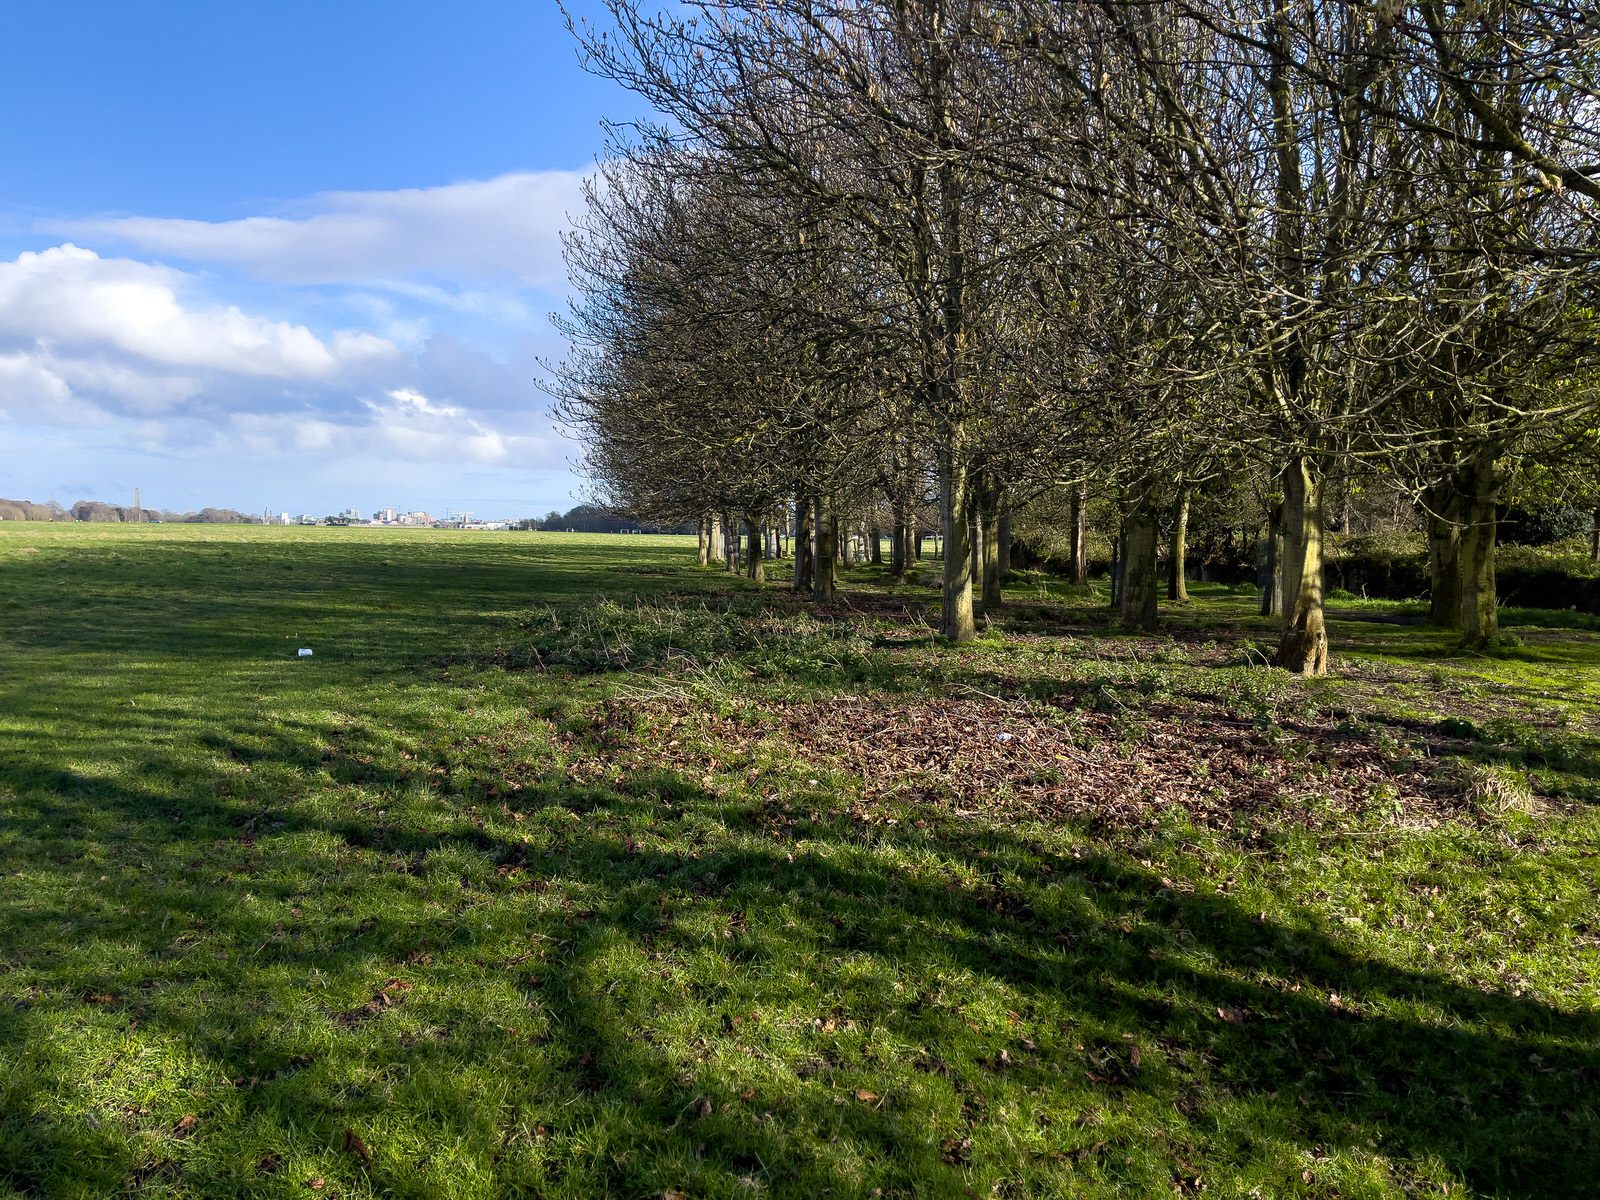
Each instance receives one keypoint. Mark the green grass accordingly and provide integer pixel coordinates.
(567, 868)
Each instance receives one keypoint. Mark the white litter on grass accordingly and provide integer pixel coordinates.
(304, 653)
(1005, 737)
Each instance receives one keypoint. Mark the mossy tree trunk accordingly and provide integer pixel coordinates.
(1272, 564)
(802, 546)
(824, 571)
(1441, 505)
(755, 536)
(1481, 481)
(1079, 518)
(1140, 572)
(731, 543)
(714, 547)
(1177, 550)
(1303, 648)
(956, 621)
(1118, 556)
(989, 522)
(899, 544)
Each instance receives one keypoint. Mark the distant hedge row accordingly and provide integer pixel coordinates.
(1395, 567)
(1559, 576)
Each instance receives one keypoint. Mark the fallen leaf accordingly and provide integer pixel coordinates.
(867, 1097)
(354, 1145)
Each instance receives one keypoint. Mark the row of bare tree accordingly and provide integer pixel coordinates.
(1136, 247)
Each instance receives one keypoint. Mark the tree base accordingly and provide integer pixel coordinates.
(1303, 651)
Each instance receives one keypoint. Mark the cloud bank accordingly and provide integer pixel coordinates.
(390, 335)
(72, 304)
(506, 227)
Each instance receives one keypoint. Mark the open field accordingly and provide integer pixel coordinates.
(567, 868)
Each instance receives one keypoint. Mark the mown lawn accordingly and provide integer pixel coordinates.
(567, 868)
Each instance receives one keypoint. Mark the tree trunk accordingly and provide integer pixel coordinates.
(754, 537)
(1594, 543)
(875, 545)
(1140, 577)
(824, 573)
(993, 597)
(731, 542)
(1177, 551)
(975, 540)
(1304, 646)
(1003, 544)
(1080, 536)
(1118, 556)
(802, 546)
(900, 545)
(714, 547)
(1442, 509)
(956, 618)
(702, 530)
(1481, 481)
(1271, 578)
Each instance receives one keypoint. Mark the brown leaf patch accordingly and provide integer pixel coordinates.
(988, 754)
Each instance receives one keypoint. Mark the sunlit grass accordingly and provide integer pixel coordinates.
(445, 910)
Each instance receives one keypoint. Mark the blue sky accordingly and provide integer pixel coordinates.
(290, 255)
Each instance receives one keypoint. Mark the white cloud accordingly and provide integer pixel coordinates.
(26, 383)
(405, 425)
(226, 360)
(509, 226)
(68, 299)
(118, 343)
(409, 400)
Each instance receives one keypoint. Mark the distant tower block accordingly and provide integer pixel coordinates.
(138, 509)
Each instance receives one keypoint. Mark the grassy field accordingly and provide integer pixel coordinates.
(566, 868)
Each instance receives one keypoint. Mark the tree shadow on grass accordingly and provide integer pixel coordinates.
(650, 986)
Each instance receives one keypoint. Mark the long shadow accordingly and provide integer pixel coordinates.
(1227, 1007)
(321, 952)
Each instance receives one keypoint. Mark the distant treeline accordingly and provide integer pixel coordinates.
(96, 510)
(591, 518)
